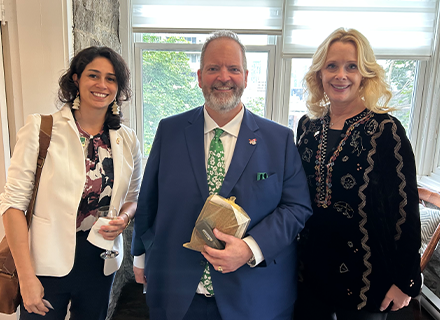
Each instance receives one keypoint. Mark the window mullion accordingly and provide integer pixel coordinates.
(280, 111)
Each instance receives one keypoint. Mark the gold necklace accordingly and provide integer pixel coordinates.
(334, 122)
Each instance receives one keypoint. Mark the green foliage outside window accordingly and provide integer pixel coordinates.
(401, 75)
(169, 87)
(256, 105)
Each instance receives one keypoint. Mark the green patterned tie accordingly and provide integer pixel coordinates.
(216, 175)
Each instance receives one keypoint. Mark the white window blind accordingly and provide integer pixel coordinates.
(398, 29)
(242, 16)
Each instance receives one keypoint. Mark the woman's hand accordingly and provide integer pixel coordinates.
(32, 293)
(396, 296)
(114, 228)
(31, 289)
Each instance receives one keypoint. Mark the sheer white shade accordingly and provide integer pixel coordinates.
(401, 29)
(398, 29)
(239, 15)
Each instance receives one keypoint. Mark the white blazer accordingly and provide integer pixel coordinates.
(53, 228)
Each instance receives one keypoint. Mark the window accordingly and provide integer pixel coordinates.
(400, 74)
(284, 34)
(168, 84)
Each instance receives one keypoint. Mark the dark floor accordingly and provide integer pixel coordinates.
(132, 306)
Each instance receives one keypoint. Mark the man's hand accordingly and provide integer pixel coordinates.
(32, 293)
(139, 275)
(235, 254)
(396, 296)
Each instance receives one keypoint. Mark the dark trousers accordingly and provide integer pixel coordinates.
(203, 308)
(314, 305)
(318, 313)
(86, 287)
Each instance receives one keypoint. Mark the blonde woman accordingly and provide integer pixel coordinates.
(359, 250)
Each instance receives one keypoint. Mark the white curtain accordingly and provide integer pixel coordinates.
(246, 16)
(395, 28)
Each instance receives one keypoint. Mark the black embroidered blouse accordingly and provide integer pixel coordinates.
(364, 234)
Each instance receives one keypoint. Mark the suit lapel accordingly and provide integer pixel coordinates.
(117, 143)
(242, 153)
(67, 114)
(194, 136)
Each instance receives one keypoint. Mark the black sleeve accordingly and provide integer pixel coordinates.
(402, 203)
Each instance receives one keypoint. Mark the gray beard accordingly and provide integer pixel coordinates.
(222, 103)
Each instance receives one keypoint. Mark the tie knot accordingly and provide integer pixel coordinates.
(217, 133)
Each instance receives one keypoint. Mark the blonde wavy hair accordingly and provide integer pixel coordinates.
(374, 91)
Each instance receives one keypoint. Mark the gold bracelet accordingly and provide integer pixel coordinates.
(129, 220)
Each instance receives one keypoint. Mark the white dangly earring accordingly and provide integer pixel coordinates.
(115, 108)
(76, 102)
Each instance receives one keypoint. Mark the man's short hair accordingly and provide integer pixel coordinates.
(223, 34)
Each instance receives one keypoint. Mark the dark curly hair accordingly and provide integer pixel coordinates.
(68, 88)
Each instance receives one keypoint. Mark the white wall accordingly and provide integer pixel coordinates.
(37, 46)
(37, 50)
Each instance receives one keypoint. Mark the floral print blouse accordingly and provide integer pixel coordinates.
(99, 177)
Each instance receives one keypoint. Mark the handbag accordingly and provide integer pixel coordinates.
(10, 296)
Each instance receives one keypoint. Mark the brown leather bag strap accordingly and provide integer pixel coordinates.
(45, 135)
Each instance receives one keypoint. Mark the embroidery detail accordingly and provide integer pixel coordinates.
(324, 181)
(307, 155)
(314, 127)
(362, 213)
(348, 181)
(402, 184)
(304, 131)
(356, 143)
(344, 208)
(371, 127)
(343, 268)
(345, 159)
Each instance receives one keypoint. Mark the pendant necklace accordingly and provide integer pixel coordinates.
(334, 122)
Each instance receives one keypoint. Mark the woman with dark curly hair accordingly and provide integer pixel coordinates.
(359, 254)
(93, 161)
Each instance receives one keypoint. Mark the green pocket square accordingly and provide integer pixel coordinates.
(261, 176)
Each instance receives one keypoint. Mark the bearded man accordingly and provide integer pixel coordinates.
(220, 148)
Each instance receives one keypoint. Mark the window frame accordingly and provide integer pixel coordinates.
(426, 142)
(139, 47)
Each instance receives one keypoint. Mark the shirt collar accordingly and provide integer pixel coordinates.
(232, 127)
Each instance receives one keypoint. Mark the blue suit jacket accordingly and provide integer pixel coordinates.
(173, 192)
